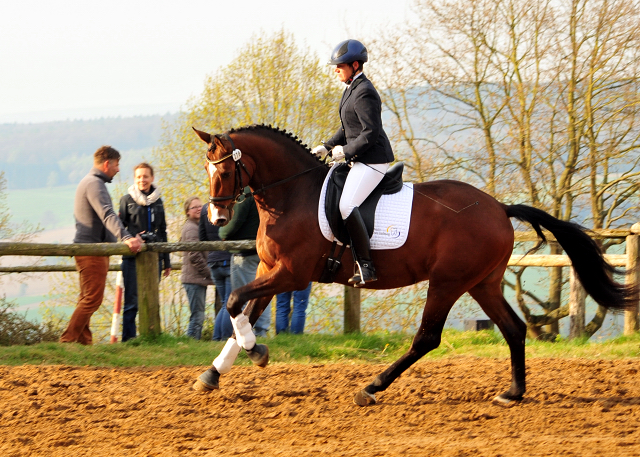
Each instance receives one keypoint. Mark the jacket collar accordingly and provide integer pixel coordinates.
(100, 174)
(347, 92)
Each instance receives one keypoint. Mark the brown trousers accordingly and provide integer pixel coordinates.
(93, 277)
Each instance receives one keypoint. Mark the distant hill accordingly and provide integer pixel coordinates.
(52, 154)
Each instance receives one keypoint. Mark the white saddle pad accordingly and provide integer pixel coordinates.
(392, 220)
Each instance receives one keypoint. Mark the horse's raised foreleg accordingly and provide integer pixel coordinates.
(257, 353)
(258, 293)
(440, 299)
(490, 298)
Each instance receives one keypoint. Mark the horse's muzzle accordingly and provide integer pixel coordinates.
(219, 217)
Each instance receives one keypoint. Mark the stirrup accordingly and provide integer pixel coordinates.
(363, 276)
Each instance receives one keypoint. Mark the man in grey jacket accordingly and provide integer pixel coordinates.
(96, 222)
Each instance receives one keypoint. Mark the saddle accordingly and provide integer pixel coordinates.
(390, 184)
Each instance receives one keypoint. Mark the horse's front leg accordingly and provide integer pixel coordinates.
(259, 292)
(259, 353)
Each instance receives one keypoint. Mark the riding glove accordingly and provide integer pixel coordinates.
(337, 153)
(320, 151)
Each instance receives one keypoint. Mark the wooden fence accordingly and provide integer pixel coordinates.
(147, 271)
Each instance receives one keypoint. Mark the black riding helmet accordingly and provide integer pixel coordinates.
(349, 51)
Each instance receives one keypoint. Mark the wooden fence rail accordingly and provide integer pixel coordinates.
(146, 267)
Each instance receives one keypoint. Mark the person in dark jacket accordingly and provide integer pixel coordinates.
(362, 141)
(219, 262)
(141, 212)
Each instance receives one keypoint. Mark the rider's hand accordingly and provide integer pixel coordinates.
(320, 151)
(337, 153)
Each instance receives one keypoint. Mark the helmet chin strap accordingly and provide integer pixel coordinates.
(353, 74)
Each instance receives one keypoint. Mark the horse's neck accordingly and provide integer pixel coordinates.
(289, 180)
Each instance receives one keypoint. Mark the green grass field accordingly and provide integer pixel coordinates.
(376, 348)
(50, 207)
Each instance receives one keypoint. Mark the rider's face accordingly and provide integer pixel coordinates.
(344, 71)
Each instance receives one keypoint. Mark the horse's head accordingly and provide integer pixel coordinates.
(225, 170)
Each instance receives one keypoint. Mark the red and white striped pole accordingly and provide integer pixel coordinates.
(117, 309)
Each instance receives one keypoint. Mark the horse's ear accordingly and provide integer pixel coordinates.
(203, 135)
(217, 140)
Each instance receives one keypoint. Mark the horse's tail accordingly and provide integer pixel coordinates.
(588, 261)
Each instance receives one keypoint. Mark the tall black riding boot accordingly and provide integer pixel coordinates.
(360, 245)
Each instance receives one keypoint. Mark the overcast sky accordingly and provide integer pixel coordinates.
(67, 59)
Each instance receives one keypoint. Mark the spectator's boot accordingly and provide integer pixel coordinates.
(360, 246)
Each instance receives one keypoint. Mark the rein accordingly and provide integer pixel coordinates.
(277, 183)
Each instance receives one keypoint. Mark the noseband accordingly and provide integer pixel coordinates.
(238, 194)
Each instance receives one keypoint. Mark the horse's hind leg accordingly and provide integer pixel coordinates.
(490, 298)
(440, 299)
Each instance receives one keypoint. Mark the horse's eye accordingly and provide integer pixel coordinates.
(225, 175)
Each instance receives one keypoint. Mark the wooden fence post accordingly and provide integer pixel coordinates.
(148, 293)
(577, 297)
(351, 310)
(633, 277)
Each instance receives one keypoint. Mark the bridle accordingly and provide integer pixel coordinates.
(236, 154)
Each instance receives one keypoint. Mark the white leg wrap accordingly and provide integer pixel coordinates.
(227, 356)
(244, 334)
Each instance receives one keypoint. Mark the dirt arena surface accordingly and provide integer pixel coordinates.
(439, 408)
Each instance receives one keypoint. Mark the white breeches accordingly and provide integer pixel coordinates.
(361, 181)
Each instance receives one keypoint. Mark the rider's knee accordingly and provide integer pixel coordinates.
(345, 210)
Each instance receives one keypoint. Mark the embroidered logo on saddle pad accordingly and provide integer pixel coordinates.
(392, 217)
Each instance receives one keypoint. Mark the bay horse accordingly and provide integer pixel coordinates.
(456, 250)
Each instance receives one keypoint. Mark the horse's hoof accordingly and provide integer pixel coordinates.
(259, 355)
(503, 400)
(207, 381)
(363, 398)
(201, 387)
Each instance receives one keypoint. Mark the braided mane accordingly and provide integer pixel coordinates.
(269, 128)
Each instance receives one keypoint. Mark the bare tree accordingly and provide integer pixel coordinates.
(537, 102)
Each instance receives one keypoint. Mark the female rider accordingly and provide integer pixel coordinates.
(362, 142)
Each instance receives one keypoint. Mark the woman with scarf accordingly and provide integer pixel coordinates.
(141, 212)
